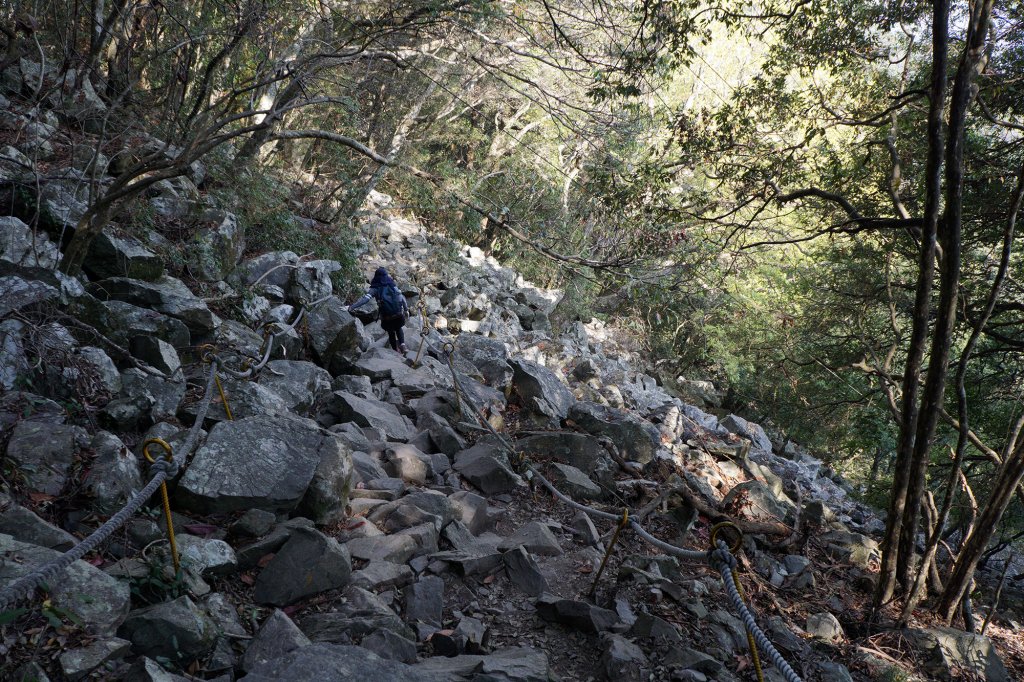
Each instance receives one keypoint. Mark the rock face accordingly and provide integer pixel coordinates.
(268, 463)
(100, 601)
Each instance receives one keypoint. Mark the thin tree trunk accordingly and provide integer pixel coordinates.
(922, 301)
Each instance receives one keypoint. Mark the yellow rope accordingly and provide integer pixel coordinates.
(715, 530)
(223, 396)
(611, 546)
(165, 498)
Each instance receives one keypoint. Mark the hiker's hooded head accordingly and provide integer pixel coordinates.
(381, 278)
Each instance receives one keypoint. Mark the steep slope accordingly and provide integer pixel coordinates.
(354, 516)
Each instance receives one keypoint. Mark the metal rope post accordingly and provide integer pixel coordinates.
(611, 545)
(167, 456)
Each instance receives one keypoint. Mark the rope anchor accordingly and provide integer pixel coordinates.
(611, 545)
(167, 461)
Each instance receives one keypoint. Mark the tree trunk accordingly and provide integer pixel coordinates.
(922, 302)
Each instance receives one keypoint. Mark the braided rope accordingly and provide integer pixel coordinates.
(724, 562)
(23, 587)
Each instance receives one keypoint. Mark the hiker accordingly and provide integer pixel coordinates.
(394, 310)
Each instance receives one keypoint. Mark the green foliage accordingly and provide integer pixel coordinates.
(158, 585)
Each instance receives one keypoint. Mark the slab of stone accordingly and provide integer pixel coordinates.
(623, 660)
(574, 482)
(577, 614)
(44, 453)
(177, 630)
(346, 407)
(99, 600)
(23, 525)
(485, 466)
(950, 652)
(396, 549)
(269, 463)
(541, 391)
(536, 537)
(208, 557)
(424, 600)
(824, 626)
(382, 575)
(637, 439)
(308, 563)
(277, 636)
(78, 663)
(523, 572)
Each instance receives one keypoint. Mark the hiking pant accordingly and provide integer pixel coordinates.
(396, 333)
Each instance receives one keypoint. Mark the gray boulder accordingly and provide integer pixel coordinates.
(309, 563)
(122, 321)
(21, 245)
(576, 614)
(337, 339)
(281, 458)
(758, 502)
(541, 391)
(23, 525)
(622, 660)
(156, 353)
(245, 398)
(44, 453)
(100, 601)
(486, 467)
(114, 476)
(277, 636)
(178, 630)
(217, 246)
(301, 384)
(536, 538)
(749, 430)
(112, 255)
(951, 653)
(165, 295)
(77, 663)
(636, 438)
(346, 407)
(574, 482)
(489, 356)
(207, 557)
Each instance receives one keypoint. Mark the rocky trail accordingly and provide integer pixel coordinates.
(352, 518)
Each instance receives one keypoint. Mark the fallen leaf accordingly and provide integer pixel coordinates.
(37, 496)
(264, 560)
(488, 580)
(585, 569)
(247, 579)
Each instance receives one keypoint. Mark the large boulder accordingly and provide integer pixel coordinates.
(45, 453)
(300, 384)
(757, 501)
(309, 563)
(486, 466)
(177, 630)
(245, 399)
(277, 636)
(541, 391)
(346, 407)
(217, 246)
(112, 255)
(21, 245)
(123, 321)
(951, 653)
(337, 339)
(166, 295)
(489, 356)
(114, 475)
(749, 430)
(636, 438)
(580, 450)
(99, 600)
(271, 463)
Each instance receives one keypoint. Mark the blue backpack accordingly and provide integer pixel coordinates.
(391, 303)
